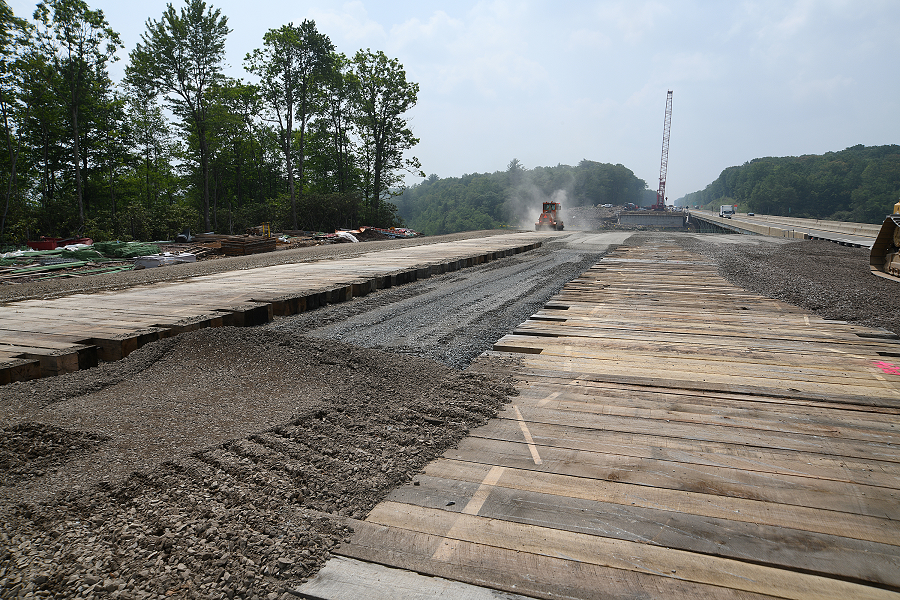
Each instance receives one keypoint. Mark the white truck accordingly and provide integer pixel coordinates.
(726, 210)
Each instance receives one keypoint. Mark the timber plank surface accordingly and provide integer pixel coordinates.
(118, 322)
(674, 437)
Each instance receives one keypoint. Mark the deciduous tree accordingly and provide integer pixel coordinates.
(383, 97)
(180, 56)
(289, 65)
(79, 42)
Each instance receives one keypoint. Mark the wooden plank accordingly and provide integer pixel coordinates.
(805, 352)
(595, 329)
(347, 579)
(779, 547)
(831, 370)
(529, 369)
(620, 554)
(14, 368)
(775, 417)
(717, 482)
(883, 531)
(558, 424)
(591, 381)
(665, 446)
(517, 571)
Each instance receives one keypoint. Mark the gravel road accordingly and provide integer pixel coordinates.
(453, 318)
(228, 462)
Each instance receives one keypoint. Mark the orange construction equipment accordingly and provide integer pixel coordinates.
(549, 218)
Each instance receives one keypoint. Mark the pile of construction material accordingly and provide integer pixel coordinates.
(243, 245)
(163, 259)
(365, 234)
(77, 260)
(592, 218)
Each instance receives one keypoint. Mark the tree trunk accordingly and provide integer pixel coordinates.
(112, 195)
(301, 160)
(290, 170)
(287, 143)
(13, 159)
(204, 167)
(78, 190)
(217, 176)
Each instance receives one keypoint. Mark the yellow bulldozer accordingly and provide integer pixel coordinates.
(884, 259)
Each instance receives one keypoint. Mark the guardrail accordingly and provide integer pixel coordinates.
(744, 227)
(863, 229)
(795, 228)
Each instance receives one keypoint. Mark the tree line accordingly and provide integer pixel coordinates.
(511, 197)
(860, 184)
(319, 142)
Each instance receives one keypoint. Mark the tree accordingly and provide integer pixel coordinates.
(15, 35)
(515, 171)
(383, 96)
(336, 148)
(79, 42)
(181, 56)
(289, 64)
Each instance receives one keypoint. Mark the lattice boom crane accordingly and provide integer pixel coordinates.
(664, 163)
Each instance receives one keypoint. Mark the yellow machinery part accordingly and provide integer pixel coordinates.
(884, 260)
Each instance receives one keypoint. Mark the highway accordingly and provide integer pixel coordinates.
(851, 234)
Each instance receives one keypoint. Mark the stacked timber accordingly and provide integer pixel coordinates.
(242, 245)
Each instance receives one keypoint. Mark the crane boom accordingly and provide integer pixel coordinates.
(664, 163)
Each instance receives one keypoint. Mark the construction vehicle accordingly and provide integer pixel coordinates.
(884, 259)
(664, 162)
(549, 218)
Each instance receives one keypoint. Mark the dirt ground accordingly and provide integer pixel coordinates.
(228, 462)
(216, 464)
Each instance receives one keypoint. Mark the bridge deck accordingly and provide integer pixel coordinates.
(49, 337)
(674, 437)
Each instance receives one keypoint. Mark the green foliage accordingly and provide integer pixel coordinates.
(383, 96)
(859, 184)
(85, 155)
(290, 65)
(77, 42)
(181, 57)
(513, 197)
(125, 249)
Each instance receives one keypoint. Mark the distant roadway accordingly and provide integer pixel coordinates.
(855, 234)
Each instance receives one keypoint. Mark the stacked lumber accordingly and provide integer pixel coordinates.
(242, 245)
(211, 237)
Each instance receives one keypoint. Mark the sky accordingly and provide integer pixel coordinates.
(556, 82)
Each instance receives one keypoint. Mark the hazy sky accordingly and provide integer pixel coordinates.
(557, 82)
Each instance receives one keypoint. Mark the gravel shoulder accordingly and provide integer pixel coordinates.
(828, 279)
(229, 462)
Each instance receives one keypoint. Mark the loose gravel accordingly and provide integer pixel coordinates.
(228, 465)
(828, 279)
(229, 462)
(451, 318)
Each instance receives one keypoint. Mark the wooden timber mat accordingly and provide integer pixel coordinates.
(40, 338)
(674, 437)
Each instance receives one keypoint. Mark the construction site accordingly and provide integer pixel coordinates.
(488, 415)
